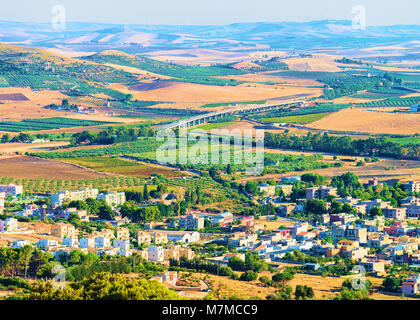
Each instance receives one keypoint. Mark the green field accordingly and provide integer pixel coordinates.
(210, 126)
(121, 166)
(297, 119)
(192, 74)
(392, 102)
(42, 185)
(47, 124)
(142, 147)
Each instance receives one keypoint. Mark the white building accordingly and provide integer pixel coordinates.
(184, 237)
(45, 243)
(267, 189)
(12, 189)
(86, 243)
(57, 199)
(102, 242)
(20, 243)
(9, 225)
(155, 253)
(123, 245)
(113, 198)
(70, 242)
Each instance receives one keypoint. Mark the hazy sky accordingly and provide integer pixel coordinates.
(204, 12)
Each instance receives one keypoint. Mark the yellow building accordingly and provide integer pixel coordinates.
(64, 230)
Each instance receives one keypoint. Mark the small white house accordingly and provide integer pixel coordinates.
(20, 243)
(155, 253)
(46, 243)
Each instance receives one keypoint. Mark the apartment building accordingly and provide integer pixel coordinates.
(267, 189)
(87, 243)
(373, 265)
(70, 242)
(376, 203)
(349, 232)
(113, 198)
(320, 192)
(102, 242)
(144, 237)
(11, 189)
(191, 221)
(122, 245)
(123, 234)
(412, 186)
(46, 243)
(411, 286)
(412, 206)
(64, 230)
(57, 199)
(394, 213)
(286, 188)
(2, 196)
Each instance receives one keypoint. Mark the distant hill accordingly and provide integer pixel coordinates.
(142, 38)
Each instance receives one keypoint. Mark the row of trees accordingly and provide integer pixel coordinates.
(26, 262)
(105, 286)
(113, 135)
(334, 144)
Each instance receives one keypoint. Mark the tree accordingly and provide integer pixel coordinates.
(376, 211)
(105, 286)
(105, 212)
(283, 294)
(391, 284)
(248, 275)
(303, 292)
(229, 169)
(145, 193)
(282, 278)
(336, 207)
(251, 187)
(314, 179)
(328, 239)
(254, 262)
(236, 263)
(128, 97)
(316, 206)
(264, 280)
(65, 103)
(5, 138)
(74, 219)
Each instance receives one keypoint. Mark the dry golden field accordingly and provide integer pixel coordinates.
(29, 167)
(315, 63)
(13, 148)
(190, 93)
(369, 121)
(324, 288)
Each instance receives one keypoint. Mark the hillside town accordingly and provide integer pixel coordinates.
(316, 229)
